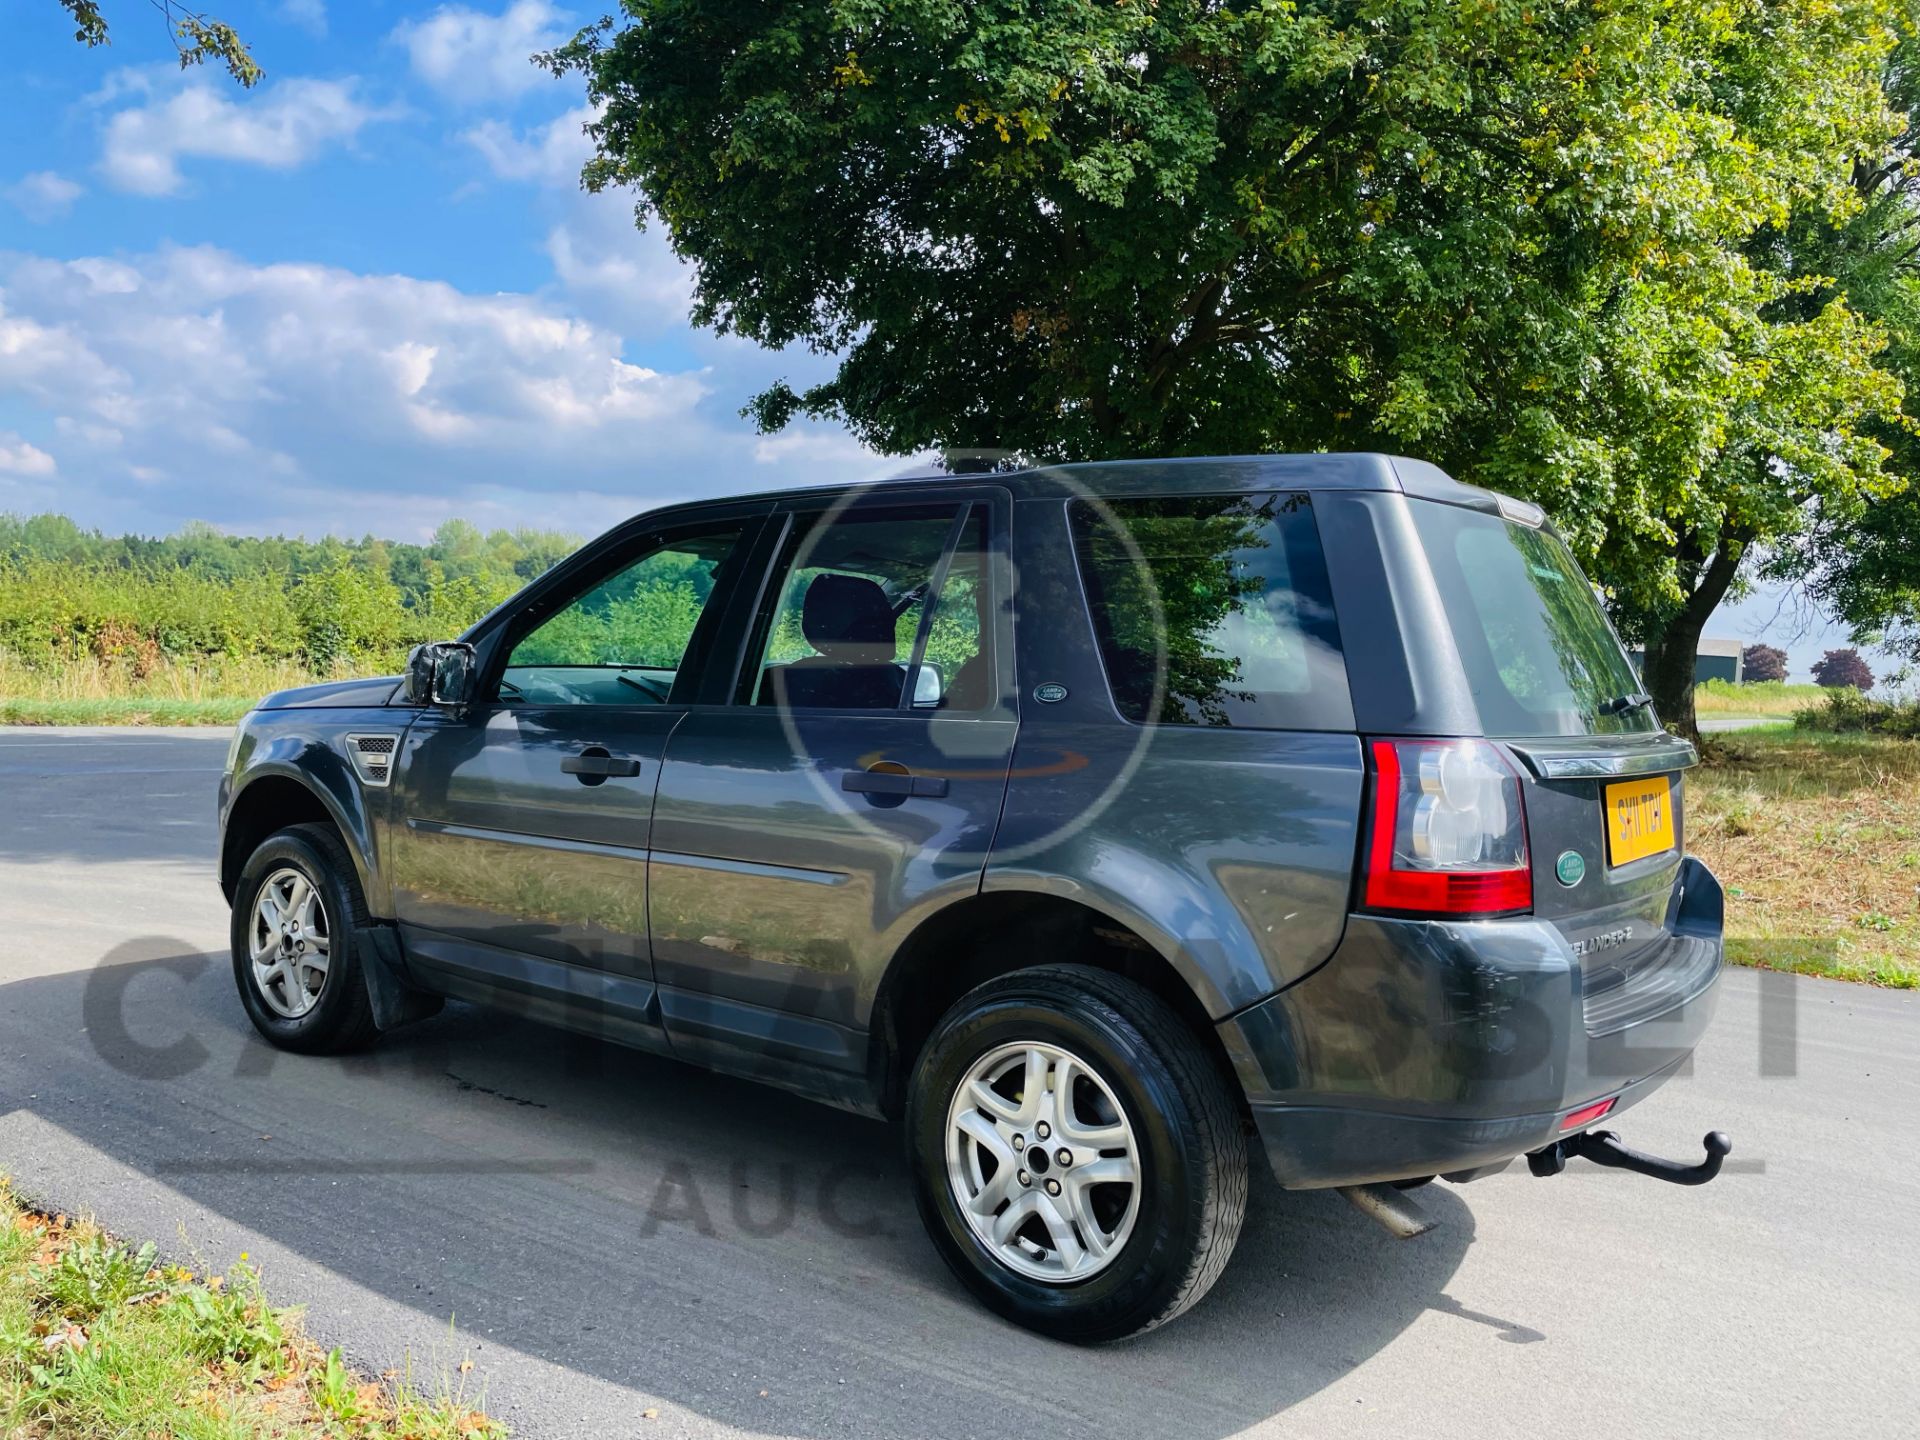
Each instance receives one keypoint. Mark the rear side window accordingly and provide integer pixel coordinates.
(1214, 610)
(1539, 654)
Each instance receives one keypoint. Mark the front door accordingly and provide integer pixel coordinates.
(519, 863)
(850, 787)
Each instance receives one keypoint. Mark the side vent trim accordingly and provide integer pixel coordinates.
(372, 756)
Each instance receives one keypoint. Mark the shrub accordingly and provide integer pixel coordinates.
(1847, 711)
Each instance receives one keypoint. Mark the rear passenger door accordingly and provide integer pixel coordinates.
(848, 785)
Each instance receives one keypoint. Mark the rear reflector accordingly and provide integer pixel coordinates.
(1587, 1114)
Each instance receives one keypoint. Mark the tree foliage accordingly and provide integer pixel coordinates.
(1763, 662)
(1521, 239)
(68, 594)
(1862, 564)
(1843, 667)
(198, 38)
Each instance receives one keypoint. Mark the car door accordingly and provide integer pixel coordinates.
(519, 863)
(847, 788)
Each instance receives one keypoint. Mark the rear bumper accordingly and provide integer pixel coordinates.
(1430, 1047)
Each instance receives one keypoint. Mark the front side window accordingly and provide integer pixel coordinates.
(877, 610)
(623, 640)
(1214, 610)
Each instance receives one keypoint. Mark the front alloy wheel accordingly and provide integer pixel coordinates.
(1043, 1162)
(289, 942)
(298, 914)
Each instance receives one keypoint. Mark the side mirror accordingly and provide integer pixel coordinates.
(928, 685)
(440, 673)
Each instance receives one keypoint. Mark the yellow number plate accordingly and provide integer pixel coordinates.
(1639, 819)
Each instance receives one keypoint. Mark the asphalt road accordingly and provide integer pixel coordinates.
(606, 1232)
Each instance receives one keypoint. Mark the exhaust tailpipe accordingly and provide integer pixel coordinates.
(1393, 1210)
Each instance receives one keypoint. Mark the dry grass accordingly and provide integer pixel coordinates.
(1817, 840)
(128, 678)
(100, 1341)
(127, 691)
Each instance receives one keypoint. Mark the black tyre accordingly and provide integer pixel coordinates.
(1077, 1155)
(295, 912)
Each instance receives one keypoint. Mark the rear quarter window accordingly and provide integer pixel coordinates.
(1539, 654)
(1214, 610)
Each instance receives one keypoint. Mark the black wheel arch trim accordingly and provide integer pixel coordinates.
(326, 774)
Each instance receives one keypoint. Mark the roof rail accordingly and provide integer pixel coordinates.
(957, 461)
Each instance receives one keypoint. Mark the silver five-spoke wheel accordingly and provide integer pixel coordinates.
(1042, 1162)
(290, 941)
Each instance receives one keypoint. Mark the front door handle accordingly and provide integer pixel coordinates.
(594, 764)
(899, 782)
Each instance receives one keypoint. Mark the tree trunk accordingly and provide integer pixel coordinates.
(1667, 673)
(1668, 669)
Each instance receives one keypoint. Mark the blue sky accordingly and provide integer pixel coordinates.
(368, 295)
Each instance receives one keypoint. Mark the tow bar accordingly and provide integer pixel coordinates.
(1603, 1147)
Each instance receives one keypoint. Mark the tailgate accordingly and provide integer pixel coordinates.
(1606, 826)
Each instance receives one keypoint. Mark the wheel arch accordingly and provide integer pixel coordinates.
(273, 796)
(994, 933)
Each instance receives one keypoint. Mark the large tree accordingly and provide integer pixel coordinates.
(1516, 237)
(1842, 668)
(1863, 563)
(1763, 662)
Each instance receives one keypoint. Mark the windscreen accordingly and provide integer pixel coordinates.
(1538, 651)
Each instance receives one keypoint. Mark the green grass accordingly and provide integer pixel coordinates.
(99, 1340)
(1816, 838)
(1755, 697)
(124, 711)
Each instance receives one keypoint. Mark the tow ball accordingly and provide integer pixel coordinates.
(1603, 1147)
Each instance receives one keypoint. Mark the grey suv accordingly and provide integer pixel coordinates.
(1093, 821)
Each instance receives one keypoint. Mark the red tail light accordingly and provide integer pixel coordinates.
(1449, 831)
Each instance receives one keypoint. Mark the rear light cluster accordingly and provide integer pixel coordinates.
(1449, 832)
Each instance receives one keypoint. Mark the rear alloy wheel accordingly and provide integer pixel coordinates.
(1042, 1162)
(1077, 1153)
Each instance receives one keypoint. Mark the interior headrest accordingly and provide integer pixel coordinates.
(846, 610)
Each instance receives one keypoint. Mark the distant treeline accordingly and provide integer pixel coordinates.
(136, 603)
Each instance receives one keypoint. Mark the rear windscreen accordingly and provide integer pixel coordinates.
(1538, 651)
(1214, 610)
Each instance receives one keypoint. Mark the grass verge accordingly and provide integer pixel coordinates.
(100, 1340)
(137, 691)
(123, 711)
(1817, 840)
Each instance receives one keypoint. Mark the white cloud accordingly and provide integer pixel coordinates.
(611, 268)
(43, 195)
(471, 56)
(308, 15)
(17, 457)
(602, 260)
(551, 153)
(188, 382)
(285, 126)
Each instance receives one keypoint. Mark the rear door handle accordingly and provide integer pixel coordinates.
(893, 782)
(594, 764)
